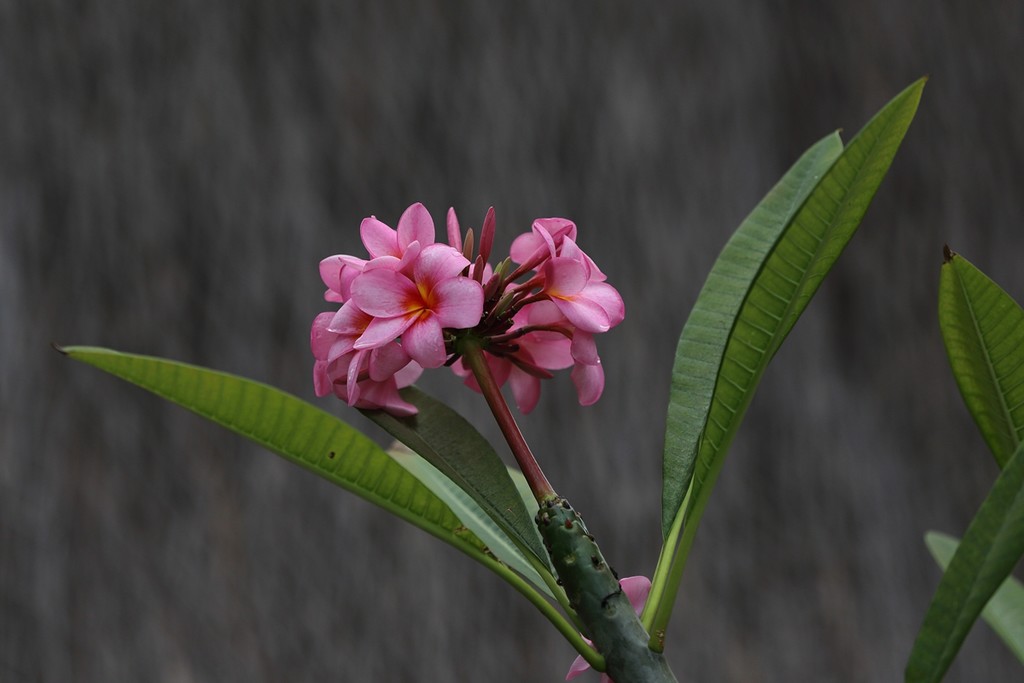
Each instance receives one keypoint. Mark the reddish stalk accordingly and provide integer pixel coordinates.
(473, 356)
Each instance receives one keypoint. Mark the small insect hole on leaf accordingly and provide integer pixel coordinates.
(331, 455)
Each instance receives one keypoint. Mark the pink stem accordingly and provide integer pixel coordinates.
(473, 356)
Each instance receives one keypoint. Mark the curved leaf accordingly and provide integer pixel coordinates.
(983, 329)
(788, 271)
(471, 514)
(1004, 611)
(321, 443)
(707, 330)
(452, 445)
(990, 549)
(295, 430)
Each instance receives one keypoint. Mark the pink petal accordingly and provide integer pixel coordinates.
(349, 319)
(540, 313)
(384, 293)
(384, 330)
(385, 395)
(579, 665)
(321, 381)
(636, 588)
(525, 389)
(409, 374)
(459, 302)
(415, 225)
(438, 262)
(320, 338)
(608, 298)
(557, 228)
(550, 350)
(330, 272)
(525, 246)
(386, 360)
(379, 239)
(583, 349)
(589, 381)
(564, 277)
(454, 232)
(339, 348)
(424, 341)
(352, 376)
(584, 314)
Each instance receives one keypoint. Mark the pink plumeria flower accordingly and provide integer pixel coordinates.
(419, 308)
(395, 248)
(364, 379)
(636, 588)
(413, 302)
(590, 305)
(536, 352)
(415, 225)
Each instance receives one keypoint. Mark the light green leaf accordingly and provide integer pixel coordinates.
(779, 273)
(295, 430)
(452, 445)
(1004, 611)
(983, 329)
(990, 549)
(471, 514)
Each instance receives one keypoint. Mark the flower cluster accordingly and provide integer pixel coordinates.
(414, 302)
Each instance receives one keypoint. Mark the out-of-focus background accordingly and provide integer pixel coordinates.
(172, 172)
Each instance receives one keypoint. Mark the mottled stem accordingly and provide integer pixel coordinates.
(595, 594)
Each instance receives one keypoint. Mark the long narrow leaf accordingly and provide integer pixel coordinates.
(448, 442)
(983, 329)
(321, 443)
(471, 514)
(1004, 611)
(789, 272)
(990, 549)
(292, 428)
(706, 332)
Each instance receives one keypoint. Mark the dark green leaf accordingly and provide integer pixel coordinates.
(990, 549)
(786, 265)
(791, 271)
(449, 443)
(706, 333)
(1005, 611)
(471, 514)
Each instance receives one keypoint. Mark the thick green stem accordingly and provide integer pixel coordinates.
(595, 594)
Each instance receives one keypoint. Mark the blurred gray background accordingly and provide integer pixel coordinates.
(172, 172)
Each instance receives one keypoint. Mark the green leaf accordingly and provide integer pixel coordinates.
(706, 332)
(448, 442)
(1004, 611)
(779, 271)
(471, 514)
(983, 329)
(321, 443)
(990, 549)
(295, 430)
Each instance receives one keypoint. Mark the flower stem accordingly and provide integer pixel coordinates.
(473, 356)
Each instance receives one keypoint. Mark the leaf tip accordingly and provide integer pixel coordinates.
(947, 253)
(59, 349)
